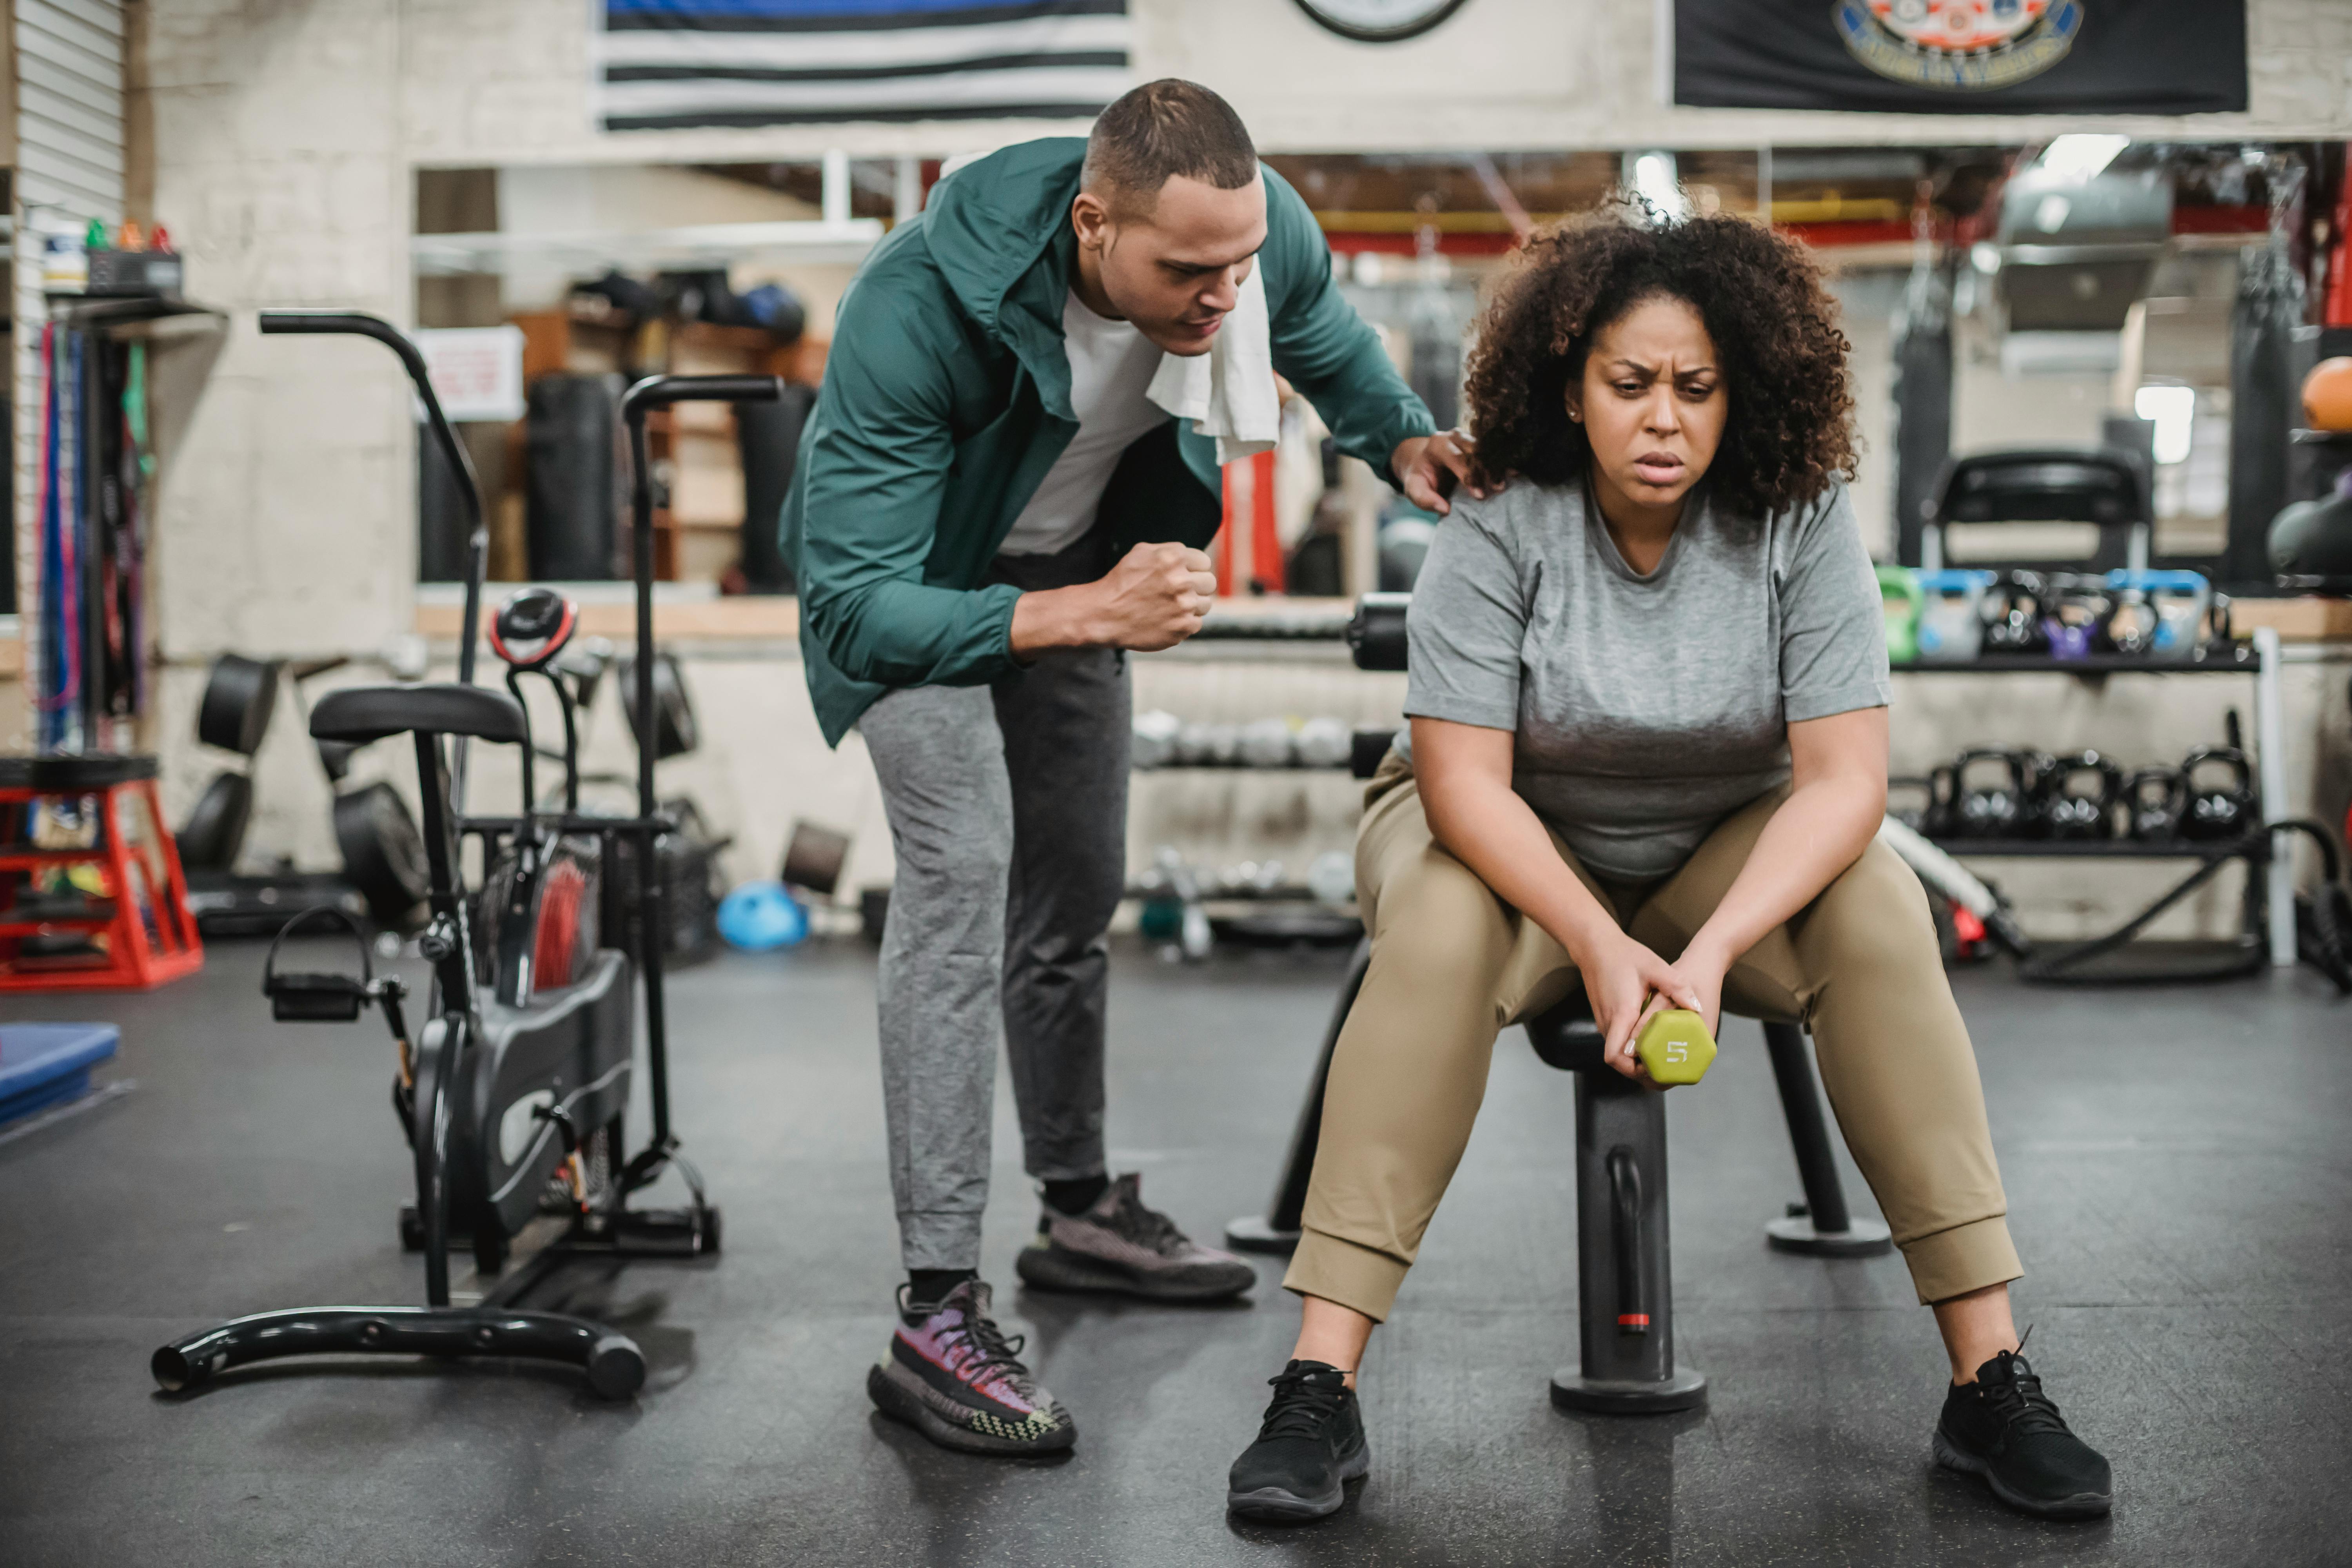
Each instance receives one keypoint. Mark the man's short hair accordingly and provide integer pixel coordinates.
(1163, 130)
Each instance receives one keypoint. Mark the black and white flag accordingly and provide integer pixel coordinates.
(1963, 57)
(667, 64)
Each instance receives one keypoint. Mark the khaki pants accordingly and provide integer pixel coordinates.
(1453, 964)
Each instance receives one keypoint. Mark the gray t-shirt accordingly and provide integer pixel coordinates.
(1647, 709)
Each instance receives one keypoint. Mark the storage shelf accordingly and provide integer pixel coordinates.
(1244, 768)
(2103, 849)
(2238, 661)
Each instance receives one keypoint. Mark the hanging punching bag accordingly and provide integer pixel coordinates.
(2263, 408)
(1922, 403)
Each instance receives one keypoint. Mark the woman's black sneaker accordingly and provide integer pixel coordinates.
(2004, 1429)
(1309, 1447)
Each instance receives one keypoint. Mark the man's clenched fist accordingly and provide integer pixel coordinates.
(1153, 599)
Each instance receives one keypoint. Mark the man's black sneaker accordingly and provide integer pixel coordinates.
(1120, 1246)
(2004, 1429)
(1309, 1447)
(952, 1375)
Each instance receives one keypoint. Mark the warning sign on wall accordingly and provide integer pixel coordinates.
(477, 371)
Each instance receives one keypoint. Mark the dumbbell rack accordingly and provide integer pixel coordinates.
(2270, 896)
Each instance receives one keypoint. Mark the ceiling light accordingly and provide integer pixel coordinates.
(2081, 155)
(1654, 180)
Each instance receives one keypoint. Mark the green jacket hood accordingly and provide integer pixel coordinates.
(988, 225)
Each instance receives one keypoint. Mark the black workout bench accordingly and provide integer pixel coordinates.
(1626, 1308)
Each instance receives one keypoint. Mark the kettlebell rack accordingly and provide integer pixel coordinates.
(2270, 892)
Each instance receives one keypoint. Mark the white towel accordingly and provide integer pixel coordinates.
(1228, 392)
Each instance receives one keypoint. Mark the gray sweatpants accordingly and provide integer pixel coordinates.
(1008, 810)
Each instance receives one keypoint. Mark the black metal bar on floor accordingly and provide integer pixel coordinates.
(615, 1367)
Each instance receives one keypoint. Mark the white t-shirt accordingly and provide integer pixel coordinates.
(1111, 364)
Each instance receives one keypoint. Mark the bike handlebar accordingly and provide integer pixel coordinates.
(357, 323)
(661, 391)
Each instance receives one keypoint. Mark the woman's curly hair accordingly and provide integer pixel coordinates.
(1789, 434)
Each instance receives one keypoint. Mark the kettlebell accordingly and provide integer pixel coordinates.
(1951, 616)
(1995, 812)
(2223, 811)
(1915, 812)
(2012, 611)
(1900, 599)
(2132, 625)
(1941, 819)
(2065, 813)
(2072, 621)
(2157, 797)
(2041, 768)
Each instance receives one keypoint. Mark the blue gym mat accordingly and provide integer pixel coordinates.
(43, 1065)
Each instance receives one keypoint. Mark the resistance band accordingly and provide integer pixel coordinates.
(60, 646)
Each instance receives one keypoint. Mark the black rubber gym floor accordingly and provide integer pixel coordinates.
(2178, 1171)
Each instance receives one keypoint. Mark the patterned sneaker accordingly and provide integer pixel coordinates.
(2004, 1429)
(1122, 1247)
(953, 1376)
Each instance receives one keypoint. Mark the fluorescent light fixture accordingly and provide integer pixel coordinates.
(2173, 410)
(1655, 180)
(2081, 155)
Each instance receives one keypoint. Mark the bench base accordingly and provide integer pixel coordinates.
(1254, 1233)
(1861, 1237)
(1684, 1389)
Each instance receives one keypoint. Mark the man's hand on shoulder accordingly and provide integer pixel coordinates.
(1429, 467)
(1153, 599)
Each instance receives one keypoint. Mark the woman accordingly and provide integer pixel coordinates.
(1648, 756)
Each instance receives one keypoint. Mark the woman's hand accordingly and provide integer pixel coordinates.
(1698, 972)
(1623, 979)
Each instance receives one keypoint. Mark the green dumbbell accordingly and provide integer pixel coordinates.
(1675, 1046)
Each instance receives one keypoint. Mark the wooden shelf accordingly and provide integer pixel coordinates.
(749, 617)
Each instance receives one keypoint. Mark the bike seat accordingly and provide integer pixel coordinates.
(364, 713)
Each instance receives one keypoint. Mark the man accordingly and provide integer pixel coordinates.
(990, 510)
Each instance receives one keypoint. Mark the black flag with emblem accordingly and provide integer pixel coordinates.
(1963, 57)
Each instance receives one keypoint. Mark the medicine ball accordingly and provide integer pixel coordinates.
(760, 917)
(2327, 395)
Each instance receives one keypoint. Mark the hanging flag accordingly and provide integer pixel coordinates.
(667, 64)
(1963, 57)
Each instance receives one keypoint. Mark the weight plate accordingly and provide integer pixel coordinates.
(240, 696)
(384, 854)
(674, 727)
(215, 831)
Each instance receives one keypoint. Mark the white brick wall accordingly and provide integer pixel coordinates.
(286, 135)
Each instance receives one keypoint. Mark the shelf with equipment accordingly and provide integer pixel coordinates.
(94, 458)
(2265, 854)
(2235, 659)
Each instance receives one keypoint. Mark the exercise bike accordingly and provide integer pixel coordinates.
(513, 1093)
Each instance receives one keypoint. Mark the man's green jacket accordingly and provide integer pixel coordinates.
(947, 398)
